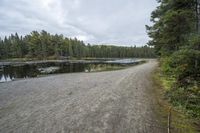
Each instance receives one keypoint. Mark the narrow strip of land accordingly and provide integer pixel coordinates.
(115, 101)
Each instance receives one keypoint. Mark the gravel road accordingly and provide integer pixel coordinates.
(104, 102)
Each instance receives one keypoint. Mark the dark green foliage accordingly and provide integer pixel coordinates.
(43, 45)
(175, 36)
(187, 98)
(183, 64)
(173, 21)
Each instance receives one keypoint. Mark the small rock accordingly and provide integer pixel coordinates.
(70, 93)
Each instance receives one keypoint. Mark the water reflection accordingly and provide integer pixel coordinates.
(10, 73)
(5, 78)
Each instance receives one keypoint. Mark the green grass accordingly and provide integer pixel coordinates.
(167, 82)
(180, 119)
(105, 67)
(109, 67)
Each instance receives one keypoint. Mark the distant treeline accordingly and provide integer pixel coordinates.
(43, 45)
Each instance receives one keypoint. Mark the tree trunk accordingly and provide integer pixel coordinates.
(197, 24)
(198, 16)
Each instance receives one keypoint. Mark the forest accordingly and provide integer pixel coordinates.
(43, 45)
(175, 35)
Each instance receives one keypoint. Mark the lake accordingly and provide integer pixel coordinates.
(14, 71)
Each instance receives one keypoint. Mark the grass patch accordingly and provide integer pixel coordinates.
(103, 67)
(182, 122)
(111, 67)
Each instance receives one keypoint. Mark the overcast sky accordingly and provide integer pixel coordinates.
(120, 22)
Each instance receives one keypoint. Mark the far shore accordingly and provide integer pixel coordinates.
(84, 60)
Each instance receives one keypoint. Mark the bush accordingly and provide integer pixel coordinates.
(187, 98)
(184, 65)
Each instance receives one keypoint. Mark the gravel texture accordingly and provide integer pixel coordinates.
(101, 102)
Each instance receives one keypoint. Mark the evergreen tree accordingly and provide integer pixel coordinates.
(43, 45)
(175, 36)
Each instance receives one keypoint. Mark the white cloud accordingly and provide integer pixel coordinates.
(94, 21)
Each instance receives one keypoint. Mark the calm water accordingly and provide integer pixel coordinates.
(10, 73)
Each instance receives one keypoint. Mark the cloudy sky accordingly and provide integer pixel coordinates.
(120, 22)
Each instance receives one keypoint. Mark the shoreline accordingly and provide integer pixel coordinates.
(32, 62)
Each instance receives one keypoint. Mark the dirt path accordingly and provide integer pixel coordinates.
(112, 102)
